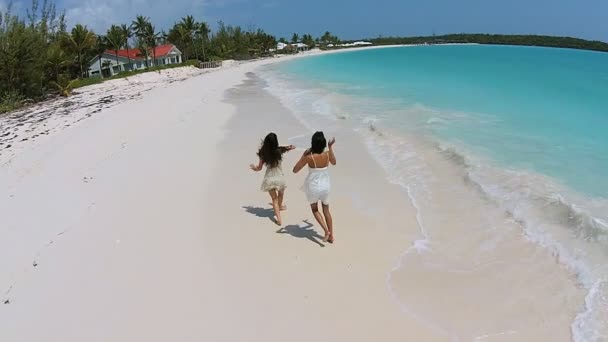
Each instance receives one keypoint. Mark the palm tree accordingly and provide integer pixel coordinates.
(179, 36)
(203, 32)
(81, 40)
(57, 60)
(308, 40)
(115, 39)
(127, 33)
(106, 65)
(326, 38)
(270, 42)
(152, 40)
(295, 38)
(139, 26)
(190, 27)
(100, 48)
(142, 45)
(64, 85)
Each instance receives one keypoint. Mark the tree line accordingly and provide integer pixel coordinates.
(498, 39)
(40, 55)
(322, 42)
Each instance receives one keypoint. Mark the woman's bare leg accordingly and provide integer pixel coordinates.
(281, 194)
(330, 223)
(319, 217)
(275, 206)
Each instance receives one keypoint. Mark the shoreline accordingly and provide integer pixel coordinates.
(161, 232)
(22, 127)
(571, 279)
(103, 95)
(331, 277)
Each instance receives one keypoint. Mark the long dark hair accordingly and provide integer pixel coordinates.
(270, 152)
(318, 143)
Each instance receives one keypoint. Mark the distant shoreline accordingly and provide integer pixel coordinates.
(497, 39)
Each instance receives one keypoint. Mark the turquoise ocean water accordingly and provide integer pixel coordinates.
(529, 125)
(538, 109)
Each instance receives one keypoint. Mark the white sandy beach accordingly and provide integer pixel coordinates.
(137, 219)
(133, 225)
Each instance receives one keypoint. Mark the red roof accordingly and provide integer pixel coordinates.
(161, 50)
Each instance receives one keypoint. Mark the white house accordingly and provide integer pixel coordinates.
(358, 43)
(134, 59)
(298, 46)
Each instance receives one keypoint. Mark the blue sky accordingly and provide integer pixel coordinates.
(359, 18)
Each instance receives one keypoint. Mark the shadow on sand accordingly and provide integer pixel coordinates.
(261, 212)
(305, 231)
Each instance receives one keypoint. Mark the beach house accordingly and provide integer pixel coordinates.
(300, 46)
(293, 46)
(112, 62)
(281, 45)
(357, 43)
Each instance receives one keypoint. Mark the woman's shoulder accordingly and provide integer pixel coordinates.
(318, 157)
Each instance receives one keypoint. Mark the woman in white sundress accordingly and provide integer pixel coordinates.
(317, 184)
(271, 155)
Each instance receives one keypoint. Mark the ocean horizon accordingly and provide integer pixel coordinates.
(522, 128)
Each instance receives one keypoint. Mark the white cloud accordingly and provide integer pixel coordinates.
(95, 16)
(99, 15)
(16, 7)
(4, 6)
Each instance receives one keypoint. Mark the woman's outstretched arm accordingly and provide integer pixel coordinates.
(332, 156)
(258, 167)
(285, 149)
(302, 162)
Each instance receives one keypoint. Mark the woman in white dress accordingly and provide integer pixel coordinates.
(317, 184)
(271, 155)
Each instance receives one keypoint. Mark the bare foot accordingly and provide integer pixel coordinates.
(278, 222)
(326, 237)
(331, 238)
(283, 207)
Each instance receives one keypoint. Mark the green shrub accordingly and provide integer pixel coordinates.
(192, 62)
(64, 85)
(125, 74)
(10, 101)
(86, 82)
